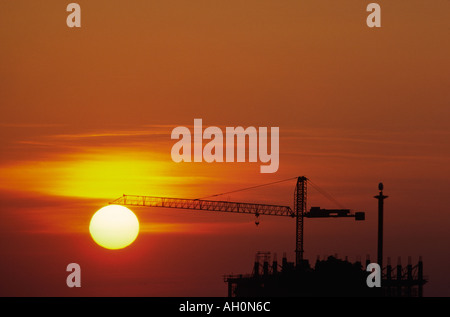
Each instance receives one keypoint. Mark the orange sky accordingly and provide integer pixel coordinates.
(86, 116)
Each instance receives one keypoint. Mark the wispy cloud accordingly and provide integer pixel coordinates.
(369, 156)
(31, 125)
(105, 134)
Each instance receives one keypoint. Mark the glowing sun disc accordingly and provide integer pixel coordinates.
(114, 227)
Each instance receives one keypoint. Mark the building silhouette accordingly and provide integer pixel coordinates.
(329, 277)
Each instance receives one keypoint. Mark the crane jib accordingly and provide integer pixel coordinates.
(201, 204)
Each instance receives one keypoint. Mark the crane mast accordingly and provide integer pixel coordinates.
(300, 210)
(299, 213)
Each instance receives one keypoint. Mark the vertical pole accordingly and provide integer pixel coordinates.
(266, 267)
(389, 269)
(399, 277)
(389, 276)
(256, 266)
(409, 277)
(420, 277)
(284, 263)
(274, 264)
(381, 199)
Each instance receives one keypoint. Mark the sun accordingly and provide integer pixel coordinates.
(114, 227)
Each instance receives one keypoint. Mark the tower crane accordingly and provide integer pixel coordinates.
(299, 211)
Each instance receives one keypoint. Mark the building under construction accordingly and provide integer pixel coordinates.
(328, 277)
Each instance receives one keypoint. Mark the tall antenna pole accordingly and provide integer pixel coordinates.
(381, 199)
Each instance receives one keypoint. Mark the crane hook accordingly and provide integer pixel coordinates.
(256, 220)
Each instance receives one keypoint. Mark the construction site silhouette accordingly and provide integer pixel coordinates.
(328, 277)
(331, 277)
